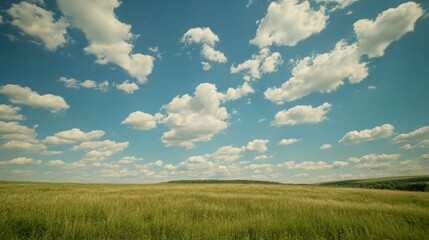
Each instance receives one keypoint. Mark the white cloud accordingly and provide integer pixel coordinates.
(375, 158)
(287, 22)
(340, 164)
(321, 73)
(20, 161)
(372, 87)
(262, 157)
(127, 87)
(76, 84)
(326, 146)
(371, 165)
(257, 145)
(109, 39)
(416, 135)
(239, 92)
(302, 114)
(263, 62)
(424, 156)
(73, 135)
(1, 20)
(355, 137)
(205, 37)
(249, 3)
(8, 112)
(129, 159)
(100, 150)
(326, 72)
(200, 36)
(17, 145)
(16, 131)
(25, 96)
(337, 4)
(227, 154)
(422, 144)
(56, 163)
(142, 121)
(375, 36)
(206, 66)
(309, 165)
(288, 141)
(39, 23)
(213, 55)
(197, 118)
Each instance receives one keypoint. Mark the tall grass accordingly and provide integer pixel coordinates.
(209, 211)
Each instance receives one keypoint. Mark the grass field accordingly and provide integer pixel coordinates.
(209, 211)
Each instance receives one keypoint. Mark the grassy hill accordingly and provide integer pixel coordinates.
(407, 183)
(209, 211)
(214, 181)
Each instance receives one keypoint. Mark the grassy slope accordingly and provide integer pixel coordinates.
(209, 211)
(416, 183)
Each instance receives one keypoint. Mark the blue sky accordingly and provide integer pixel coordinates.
(149, 91)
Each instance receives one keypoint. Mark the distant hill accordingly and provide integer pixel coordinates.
(407, 183)
(240, 181)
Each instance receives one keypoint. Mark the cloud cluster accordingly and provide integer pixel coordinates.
(191, 119)
(100, 150)
(207, 39)
(109, 39)
(287, 22)
(25, 96)
(73, 135)
(20, 161)
(39, 23)
(419, 136)
(374, 160)
(355, 137)
(263, 62)
(127, 87)
(76, 84)
(302, 114)
(8, 112)
(326, 72)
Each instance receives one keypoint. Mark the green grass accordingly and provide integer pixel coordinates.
(406, 183)
(209, 211)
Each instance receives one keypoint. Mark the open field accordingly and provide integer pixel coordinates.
(209, 211)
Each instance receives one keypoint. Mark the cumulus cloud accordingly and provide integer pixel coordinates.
(39, 23)
(20, 161)
(198, 118)
(326, 146)
(321, 73)
(206, 66)
(15, 131)
(76, 84)
(56, 163)
(263, 62)
(326, 72)
(129, 159)
(389, 26)
(17, 145)
(310, 165)
(416, 135)
(127, 87)
(239, 92)
(424, 156)
(287, 22)
(109, 39)
(142, 121)
(227, 154)
(25, 96)
(73, 135)
(100, 150)
(8, 112)
(302, 114)
(204, 36)
(257, 145)
(340, 164)
(288, 141)
(355, 137)
(336, 4)
(374, 160)
(262, 157)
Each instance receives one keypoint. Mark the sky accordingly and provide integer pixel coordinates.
(292, 91)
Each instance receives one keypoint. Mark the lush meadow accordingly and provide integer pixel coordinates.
(209, 211)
